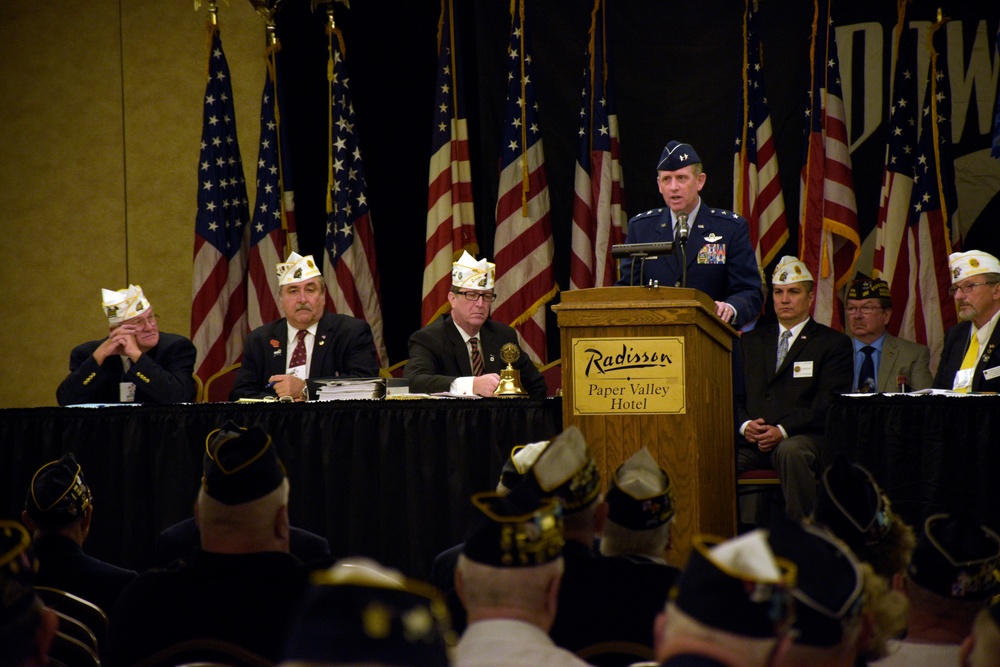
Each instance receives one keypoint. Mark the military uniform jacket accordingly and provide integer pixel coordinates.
(439, 355)
(903, 357)
(956, 341)
(720, 260)
(344, 347)
(796, 395)
(164, 374)
(62, 564)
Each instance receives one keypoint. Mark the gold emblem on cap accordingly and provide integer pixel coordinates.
(973, 262)
(377, 621)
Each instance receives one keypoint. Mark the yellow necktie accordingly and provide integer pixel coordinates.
(970, 360)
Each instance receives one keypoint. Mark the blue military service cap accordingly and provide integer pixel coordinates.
(519, 529)
(676, 155)
(58, 493)
(17, 571)
(240, 464)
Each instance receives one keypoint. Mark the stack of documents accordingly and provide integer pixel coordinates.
(350, 388)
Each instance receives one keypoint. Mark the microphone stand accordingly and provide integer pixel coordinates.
(682, 237)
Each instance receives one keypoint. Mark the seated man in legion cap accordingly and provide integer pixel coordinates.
(27, 626)
(882, 362)
(720, 260)
(852, 506)
(791, 369)
(308, 343)
(135, 363)
(952, 576)
(982, 647)
(58, 510)
(967, 360)
(460, 352)
(844, 612)
(242, 585)
(359, 612)
(732, 605)
(508, 579)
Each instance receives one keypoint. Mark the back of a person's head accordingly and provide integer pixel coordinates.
(244, 491)
(640, 509)
(359, 612)
(982, 647)
(58, 495)
(732, 601)
(512, 553)
(26, 626)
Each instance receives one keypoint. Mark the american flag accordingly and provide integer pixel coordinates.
(451, 221)
(829, 243)
(523, 241)
(351, 273)
(219, 294)
(995, 151)
(598, 214)
(757, 188)
(929, 310)
(267, 237)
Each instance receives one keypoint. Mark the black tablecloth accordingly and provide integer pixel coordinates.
(386, 479)
(929, 453)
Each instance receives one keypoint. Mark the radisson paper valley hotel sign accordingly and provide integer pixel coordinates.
(629, 375)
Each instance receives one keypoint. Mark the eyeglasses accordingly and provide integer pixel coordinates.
(475, 296)
(867, 309)
(142, 322)
(967, 287)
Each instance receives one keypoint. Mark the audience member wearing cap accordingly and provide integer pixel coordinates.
(441, 355)
(508, 578)
(967, 360)
(781, 407)
(851, 504)
(334, 345)
(952, 576)
(58, 510)
(720, 260)
(359, 612)
(844, 612)
(895, 362)
(731, 606)
(136, 362)
(27, 626)
(242, 585)
(982, 647)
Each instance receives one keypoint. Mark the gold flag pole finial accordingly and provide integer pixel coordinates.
(939, 15)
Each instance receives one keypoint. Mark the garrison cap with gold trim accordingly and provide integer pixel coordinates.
(58, 493)
(971, 263)
(566, 469)
(296, 269)
(518, 529)
(956, 558)
(360, 612)
(522, 457)
(829, 583)
(863, 287)
(737, 586)
(240, 465)
(851, 504)
(469, 273)
(790, 270)
(677, 155)
(17, 571)
(639, 496)
(123, 304)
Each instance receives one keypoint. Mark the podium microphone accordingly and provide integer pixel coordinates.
(682, 237)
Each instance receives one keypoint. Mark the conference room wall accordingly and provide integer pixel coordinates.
(101, 133)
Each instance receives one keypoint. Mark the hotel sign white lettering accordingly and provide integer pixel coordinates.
(629, 376)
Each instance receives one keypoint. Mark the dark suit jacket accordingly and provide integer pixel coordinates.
(181, 539)
(438, 355)
(63, 564)
(344, 347)
(164, 374)
(956, 341)
(903, 357)
(799, 404)
(736, 280)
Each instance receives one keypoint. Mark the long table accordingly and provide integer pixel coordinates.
(386, 479)
(930, 454)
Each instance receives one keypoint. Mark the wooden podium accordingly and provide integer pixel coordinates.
(651, 366)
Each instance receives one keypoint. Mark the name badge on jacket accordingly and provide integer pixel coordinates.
(802, 369)
(991, 373)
